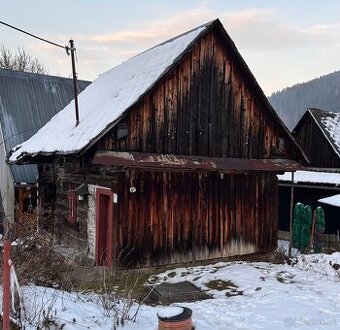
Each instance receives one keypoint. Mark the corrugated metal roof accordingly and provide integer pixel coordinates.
(1, 206)
(27, 102)
(167, 162)
(2, 215)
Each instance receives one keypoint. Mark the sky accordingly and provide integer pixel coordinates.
(284, 42)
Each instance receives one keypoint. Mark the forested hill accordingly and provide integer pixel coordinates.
(322, 93)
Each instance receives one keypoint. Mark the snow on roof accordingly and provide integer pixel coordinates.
(331, 124)
(105, 100)
(331, 200)
(311, 177)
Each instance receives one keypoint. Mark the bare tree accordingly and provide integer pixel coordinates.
(21, 61)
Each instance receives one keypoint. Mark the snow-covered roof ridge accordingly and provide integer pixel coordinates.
(103, 103)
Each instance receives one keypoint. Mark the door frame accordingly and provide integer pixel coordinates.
(109, 255)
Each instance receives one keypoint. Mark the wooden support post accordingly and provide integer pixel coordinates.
(311, 242)
(291, 213)
(6, 286)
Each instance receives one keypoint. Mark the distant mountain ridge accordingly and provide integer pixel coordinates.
(322, 93)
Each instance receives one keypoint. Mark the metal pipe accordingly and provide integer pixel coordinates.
(74, 74)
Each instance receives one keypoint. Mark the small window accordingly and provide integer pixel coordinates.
(122, 130)
(71, 207)
(281, 145)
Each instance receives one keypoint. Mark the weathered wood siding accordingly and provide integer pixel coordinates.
(55, 181)
(174, 217)
(207, 105)
(316, 146)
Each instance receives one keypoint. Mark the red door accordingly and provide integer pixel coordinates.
(104, 227)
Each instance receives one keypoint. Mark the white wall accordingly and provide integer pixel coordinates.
(6, 182)
(91, 221)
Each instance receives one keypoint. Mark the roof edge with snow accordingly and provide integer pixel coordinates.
(180, 46)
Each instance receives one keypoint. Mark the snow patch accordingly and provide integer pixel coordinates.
(169, 312)
(312, 177)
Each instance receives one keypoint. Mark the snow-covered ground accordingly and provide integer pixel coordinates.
(259, 295)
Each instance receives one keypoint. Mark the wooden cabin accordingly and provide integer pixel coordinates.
(317, 132)
(27, 102)
(174, 159)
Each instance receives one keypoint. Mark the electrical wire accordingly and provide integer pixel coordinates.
(13, 135)
(34, 36)
(69, 49)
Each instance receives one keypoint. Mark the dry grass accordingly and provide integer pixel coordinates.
(220, 285)
(34, 259)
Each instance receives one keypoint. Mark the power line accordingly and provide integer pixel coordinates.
(69, 49)
(24, 131)
(34, 36)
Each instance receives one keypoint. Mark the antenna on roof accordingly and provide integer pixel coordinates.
(71, 49)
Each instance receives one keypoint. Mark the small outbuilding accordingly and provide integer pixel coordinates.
(174, 159)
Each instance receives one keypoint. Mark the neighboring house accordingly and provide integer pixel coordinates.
(309, 187)
(318, 133)
(174, 159)
(27, 102)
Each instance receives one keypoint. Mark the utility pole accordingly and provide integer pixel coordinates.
(69, 49)
(74, 74)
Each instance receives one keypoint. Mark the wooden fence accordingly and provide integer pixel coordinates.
(331, 241)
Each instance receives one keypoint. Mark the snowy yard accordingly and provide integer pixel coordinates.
(259, 295)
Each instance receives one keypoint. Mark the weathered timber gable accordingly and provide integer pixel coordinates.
(311, 135)
(315, 145)
(206, 105)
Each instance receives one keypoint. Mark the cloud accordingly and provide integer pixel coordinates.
(253, 30)
(264, 30)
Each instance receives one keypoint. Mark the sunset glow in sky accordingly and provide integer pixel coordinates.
(283, 41)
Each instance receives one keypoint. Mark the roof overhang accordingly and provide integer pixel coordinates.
(331, 200)
(313, 176)
(185, 163)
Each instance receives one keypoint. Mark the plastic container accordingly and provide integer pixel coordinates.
(175, 317)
